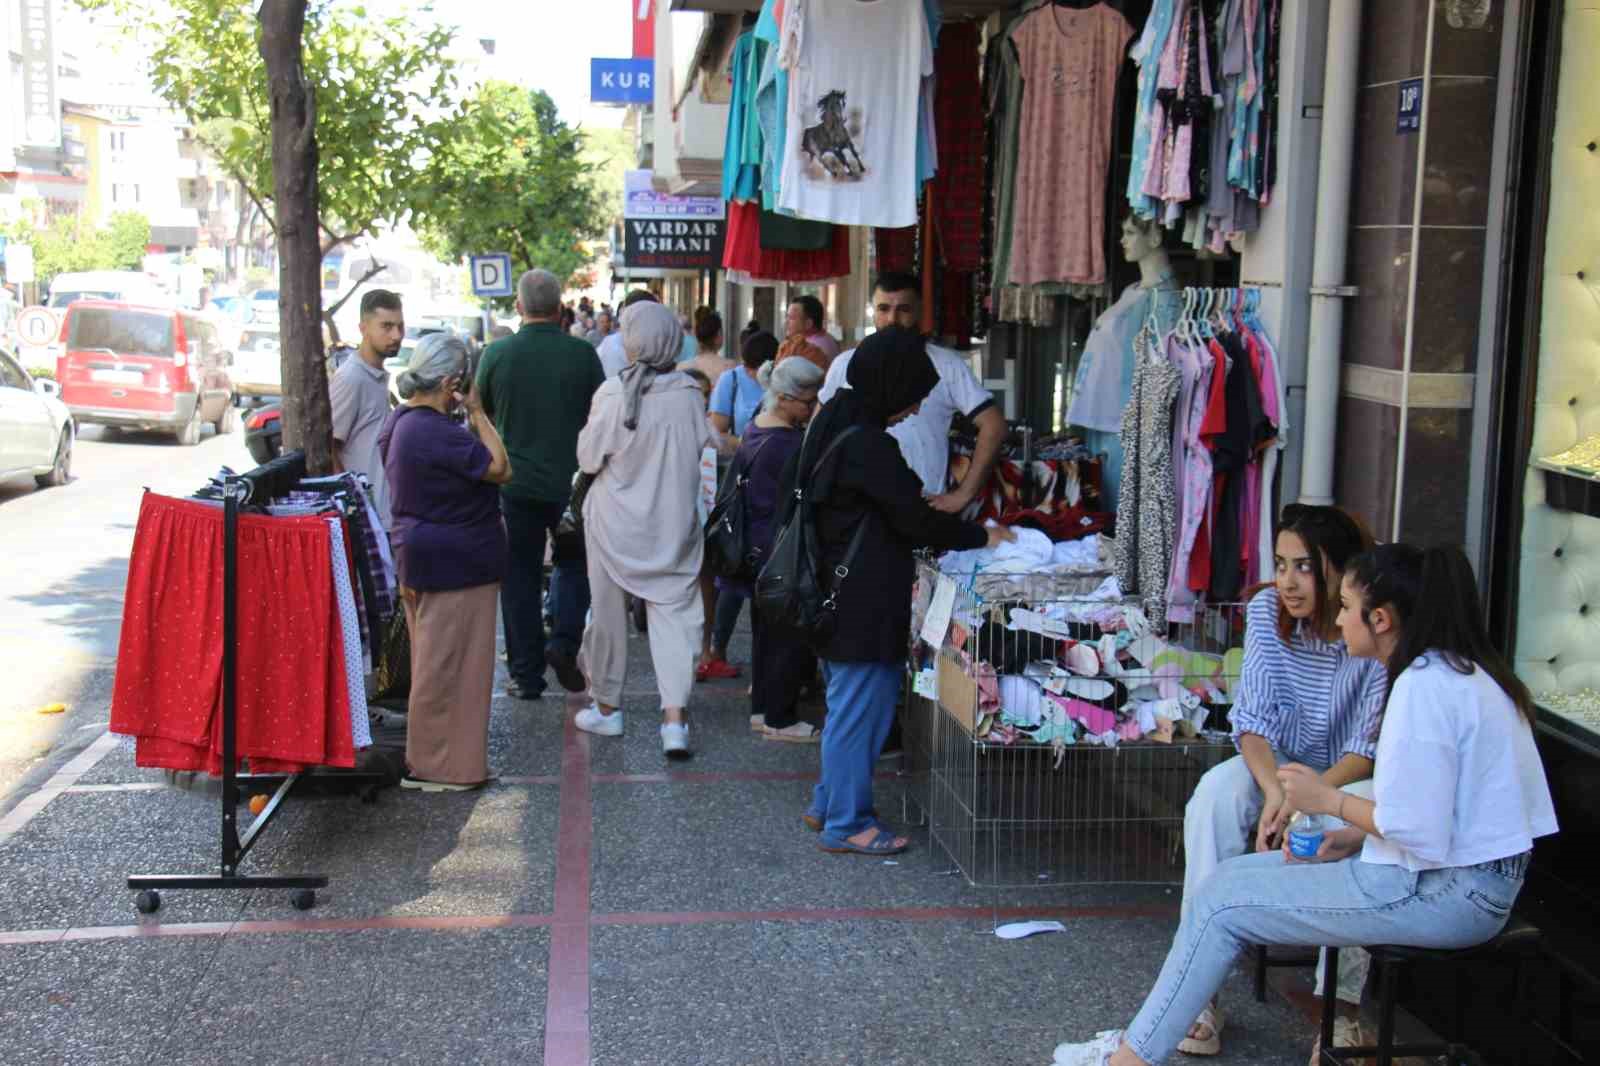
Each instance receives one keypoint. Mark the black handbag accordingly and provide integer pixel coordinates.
(729, 551)
(568, 540)
(791, 590)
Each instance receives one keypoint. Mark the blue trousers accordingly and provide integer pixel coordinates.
(861, 702)
(528, 522)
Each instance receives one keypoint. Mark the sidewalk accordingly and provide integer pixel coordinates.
(592, 906)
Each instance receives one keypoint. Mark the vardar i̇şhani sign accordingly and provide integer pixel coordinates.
(674, 244)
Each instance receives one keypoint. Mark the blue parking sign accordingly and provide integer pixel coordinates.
(491, 275)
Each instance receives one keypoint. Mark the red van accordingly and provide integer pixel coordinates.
(144, 367)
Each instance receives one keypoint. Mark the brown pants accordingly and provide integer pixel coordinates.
(452, 683)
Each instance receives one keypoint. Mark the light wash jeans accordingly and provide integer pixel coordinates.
(1219, 824)
(861, 701)
(1263, 899)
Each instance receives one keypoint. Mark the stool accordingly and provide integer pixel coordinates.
(1519, 940)
(1264, 962)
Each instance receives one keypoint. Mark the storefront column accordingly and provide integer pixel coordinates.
(1418, 234)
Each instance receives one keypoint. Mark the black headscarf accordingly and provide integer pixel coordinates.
(889, 372)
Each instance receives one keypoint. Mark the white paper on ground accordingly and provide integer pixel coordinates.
(1018, 930)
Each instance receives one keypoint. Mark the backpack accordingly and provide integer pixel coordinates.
(729, 552)
(789, 590)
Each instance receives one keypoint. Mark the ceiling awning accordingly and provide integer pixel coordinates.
(953, 9)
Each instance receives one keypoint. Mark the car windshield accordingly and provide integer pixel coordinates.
(122, 331)
(62, 299)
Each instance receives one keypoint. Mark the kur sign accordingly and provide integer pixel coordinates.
(621, 81)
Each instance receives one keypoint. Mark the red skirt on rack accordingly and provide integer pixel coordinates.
(742, 250)
(291, 700)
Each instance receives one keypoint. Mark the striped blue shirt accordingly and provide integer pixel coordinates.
(1312, 701)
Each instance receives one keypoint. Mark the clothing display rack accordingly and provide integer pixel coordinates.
(263, 483)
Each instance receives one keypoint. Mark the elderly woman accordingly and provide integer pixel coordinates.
(646, 429)
(780, 664)
(450, 549)
(870, 516)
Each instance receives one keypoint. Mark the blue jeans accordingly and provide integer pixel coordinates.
(528, 522)
(861, 700)
(1262, 899)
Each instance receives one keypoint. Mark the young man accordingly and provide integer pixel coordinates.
(925, 436)
(536, 386)
(359, 392)
(804, 319)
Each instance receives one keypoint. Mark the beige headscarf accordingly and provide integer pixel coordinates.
(653, 339)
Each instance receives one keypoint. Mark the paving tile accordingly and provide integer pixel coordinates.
(105, 1001)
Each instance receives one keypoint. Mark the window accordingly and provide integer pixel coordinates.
(123, 332)
(11, 375)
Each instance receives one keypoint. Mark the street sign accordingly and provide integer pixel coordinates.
(19, 264)
(491, 275)
(37, 326)
(621, 81)
(1409, 118)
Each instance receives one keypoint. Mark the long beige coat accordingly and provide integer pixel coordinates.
(640, 518)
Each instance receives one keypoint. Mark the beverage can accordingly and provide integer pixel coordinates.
(1305, 836)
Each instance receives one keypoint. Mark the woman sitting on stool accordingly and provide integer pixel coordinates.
(1436, 860)
(1303, 698)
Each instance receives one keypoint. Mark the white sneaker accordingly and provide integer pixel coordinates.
(675, 740)
(590, 720)
(1096, 1052)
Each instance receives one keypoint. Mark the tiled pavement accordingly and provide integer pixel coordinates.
(593, 906)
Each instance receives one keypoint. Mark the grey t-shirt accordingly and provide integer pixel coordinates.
(360, 395)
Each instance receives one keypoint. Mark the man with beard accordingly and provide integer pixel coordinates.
(359, 392)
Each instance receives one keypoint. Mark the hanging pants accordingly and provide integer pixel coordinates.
(675, 630)
(452, 683)
(1220, 824)
(861, 704)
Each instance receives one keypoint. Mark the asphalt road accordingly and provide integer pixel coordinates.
(63, 565)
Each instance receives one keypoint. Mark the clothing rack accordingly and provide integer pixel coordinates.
(258, 485)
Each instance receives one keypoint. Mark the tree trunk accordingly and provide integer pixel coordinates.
(307, 413)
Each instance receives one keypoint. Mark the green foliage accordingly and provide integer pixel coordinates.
(382, 88)
(515, 179)
(66, 243)
(42, 373)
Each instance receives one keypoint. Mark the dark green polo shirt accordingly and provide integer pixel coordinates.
(536, 384)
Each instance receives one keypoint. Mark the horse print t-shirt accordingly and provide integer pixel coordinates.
(855, 71)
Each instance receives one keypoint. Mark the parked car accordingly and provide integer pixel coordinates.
(263, 432)
(144, 367)
(36, 430)
(129, 285)
(257, 363)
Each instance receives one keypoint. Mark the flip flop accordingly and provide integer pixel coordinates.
(882, 844)
(1211, 1018)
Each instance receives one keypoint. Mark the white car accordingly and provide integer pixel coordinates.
(35, 428)
(257, 363)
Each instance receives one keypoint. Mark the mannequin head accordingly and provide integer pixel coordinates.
(1140, 238)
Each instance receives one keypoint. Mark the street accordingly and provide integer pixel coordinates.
(63, 563)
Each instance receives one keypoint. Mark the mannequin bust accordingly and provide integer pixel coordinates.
(1141, 243)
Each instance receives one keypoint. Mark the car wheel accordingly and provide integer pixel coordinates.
(61, 471)
(189, 434)
(228, 421)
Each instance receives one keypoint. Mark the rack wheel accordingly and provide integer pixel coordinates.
(148, 901)
(303, 899)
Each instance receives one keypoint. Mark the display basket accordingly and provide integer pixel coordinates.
(1006, 722)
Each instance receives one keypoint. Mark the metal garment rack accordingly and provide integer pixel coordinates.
(237, 489)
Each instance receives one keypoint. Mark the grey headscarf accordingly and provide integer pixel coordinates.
(653, 339)
(437, 357)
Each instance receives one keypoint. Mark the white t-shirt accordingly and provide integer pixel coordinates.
(1457, 778)
(925, 436)
(613, 359)
(855, 74)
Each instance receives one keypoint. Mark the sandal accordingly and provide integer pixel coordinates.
(799, 733)
(815, 822)
(1210, 1018)
(881, 844)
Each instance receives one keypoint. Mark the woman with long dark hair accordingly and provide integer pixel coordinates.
(1436, 859)
(1302, 697)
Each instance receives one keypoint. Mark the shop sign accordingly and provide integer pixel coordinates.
(670, 232)
(41, 115)
(1410, 120)
(644, 28)
(621, 81)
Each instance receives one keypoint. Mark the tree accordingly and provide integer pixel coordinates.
(66, 242)
(126, 236)
(382, 88)
(516, 180)
(308, 414)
